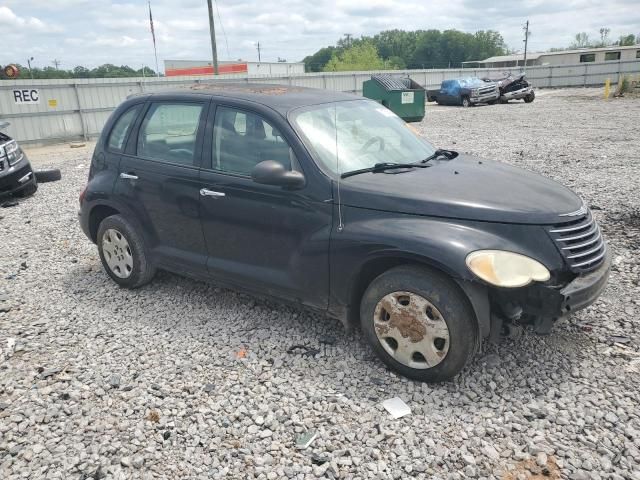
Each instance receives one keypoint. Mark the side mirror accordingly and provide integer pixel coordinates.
(271, 172)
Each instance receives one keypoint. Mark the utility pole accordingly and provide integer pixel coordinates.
(56, 62)
(526, 41)
(212, 30)
(348, 39)
(258, 47)
(29, 63)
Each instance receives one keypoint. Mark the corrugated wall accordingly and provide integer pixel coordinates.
(76, 109)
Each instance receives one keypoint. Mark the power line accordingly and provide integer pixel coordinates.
(224, 34)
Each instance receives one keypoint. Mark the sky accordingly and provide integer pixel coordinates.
(94, 32)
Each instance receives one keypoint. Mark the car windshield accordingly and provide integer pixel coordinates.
(352, 135)
(471, 82)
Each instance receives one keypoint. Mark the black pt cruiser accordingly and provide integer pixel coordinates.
(330, 201)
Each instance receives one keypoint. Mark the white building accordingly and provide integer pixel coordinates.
(565, 57)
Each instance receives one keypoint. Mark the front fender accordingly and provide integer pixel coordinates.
(370, 235)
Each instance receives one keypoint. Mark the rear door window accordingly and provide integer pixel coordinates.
(121, 129)
(242, 139)
(168, 132)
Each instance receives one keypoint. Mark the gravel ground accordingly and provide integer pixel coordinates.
(182, 379)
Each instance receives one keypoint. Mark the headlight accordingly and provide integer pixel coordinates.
(506, 269)
(474, 92)
(13, 152)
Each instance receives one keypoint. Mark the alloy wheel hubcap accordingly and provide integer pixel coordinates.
(411, 329)
(117, 253)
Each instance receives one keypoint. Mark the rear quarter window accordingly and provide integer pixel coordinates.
(121, 128)
(168, 132)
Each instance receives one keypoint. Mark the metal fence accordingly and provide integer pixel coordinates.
(46, 111)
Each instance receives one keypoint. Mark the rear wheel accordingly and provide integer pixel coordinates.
(466, 102)
(123, 253)
(419, 323)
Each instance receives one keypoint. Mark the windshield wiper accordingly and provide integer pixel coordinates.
(381, 167)
(448, 154)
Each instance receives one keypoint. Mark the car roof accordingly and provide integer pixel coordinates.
(282, 98)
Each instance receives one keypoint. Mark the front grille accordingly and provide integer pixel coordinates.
(486, 90)
(580, 242)
(1, 165)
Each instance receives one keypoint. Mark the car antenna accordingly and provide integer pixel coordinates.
(335, 126)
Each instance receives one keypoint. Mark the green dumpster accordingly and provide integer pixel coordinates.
(402, 96)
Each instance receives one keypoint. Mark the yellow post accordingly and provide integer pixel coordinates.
(607, 87)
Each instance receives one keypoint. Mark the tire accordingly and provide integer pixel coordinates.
(48, 175)
(445, 304)
(129, 265)
(465, 102)
(29, 189)
(529, 98)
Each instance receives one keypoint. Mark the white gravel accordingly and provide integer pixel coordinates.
(185, 380)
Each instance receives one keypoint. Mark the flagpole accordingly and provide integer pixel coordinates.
(153, 36)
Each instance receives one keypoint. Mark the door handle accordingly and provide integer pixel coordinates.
(210, 193)
(128, 176)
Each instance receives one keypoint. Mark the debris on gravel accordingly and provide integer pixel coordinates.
(103, 382)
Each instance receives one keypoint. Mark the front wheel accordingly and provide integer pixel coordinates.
(529, 98)
(123, 253)
(419, 323)
(466, 102)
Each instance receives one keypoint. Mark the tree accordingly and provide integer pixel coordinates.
(81, 72)
(604, 34)
(427, 53)
(581, 40)
(395, 43)
(627, 40)
(361, 56)
(402, 49)
(317, 61)
(103, 71)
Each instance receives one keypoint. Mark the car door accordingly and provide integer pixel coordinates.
(159, 180)
(262, 237)
(443, 97)
(449, 92)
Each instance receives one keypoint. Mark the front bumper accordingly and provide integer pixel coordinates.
(518, 94)
(16, 178)
(541, 305)
(585, 289)
(485, 98)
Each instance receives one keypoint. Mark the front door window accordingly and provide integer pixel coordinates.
(243, 139)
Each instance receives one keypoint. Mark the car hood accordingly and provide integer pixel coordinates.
(467, 188)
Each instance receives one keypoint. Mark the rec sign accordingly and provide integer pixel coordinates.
(26, 95)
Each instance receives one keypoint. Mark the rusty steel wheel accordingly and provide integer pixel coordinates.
(411, 329)
(419, 322)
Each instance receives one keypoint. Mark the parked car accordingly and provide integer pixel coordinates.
(16, 174)
(464, 91)
(328, 200)
(513, 87)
